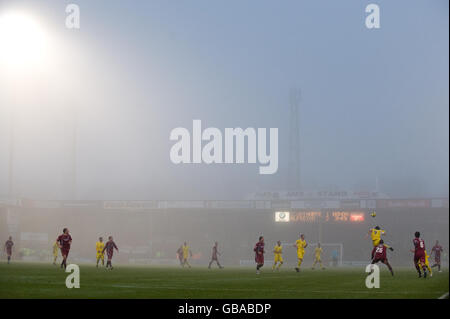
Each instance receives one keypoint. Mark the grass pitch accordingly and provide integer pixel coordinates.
(40, 280)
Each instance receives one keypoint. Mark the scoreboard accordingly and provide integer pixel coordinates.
(322, 216)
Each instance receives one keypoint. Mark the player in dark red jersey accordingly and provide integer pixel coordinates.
(215, 252)
(419, 254)
(64, 241)
(437, 249)
(379, 254)
(180, 255)
(8, 248)
(109, 247)
(259, 254)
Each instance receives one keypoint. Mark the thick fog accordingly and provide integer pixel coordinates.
(374, 104)
(92, 121)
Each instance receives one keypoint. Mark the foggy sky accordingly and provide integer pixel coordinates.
(374, 102)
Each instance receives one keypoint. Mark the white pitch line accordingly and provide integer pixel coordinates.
(371, 291)
(251, 290)
(444, 296)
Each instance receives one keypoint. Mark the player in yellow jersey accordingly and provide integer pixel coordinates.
(55, 252)
(186, 251)
(427, 264)
(300, 244)
(375, 235)
(99, 248)
(278, 256)
(317, 252)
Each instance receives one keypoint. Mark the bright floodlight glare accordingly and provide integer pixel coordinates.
(22, 41)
